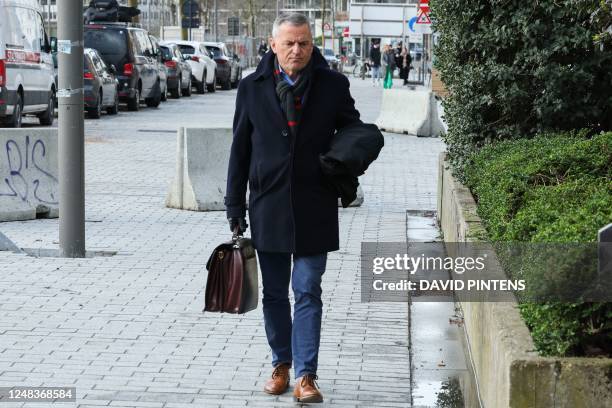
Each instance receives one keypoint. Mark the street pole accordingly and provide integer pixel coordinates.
(323, 24)
(49, 17)
(71, 157)
(163, 14)
(180, 18)
(333, 25)
(149, 16)
(277, 8)
(216, 22)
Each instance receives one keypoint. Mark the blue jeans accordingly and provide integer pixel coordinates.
(296, 341)
(375, 73)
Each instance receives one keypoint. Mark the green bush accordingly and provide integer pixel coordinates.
(554, 188)
(515, 69)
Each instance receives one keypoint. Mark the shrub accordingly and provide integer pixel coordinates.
(516, 69)
(554, 188)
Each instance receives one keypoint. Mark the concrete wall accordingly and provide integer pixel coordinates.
(200, 180)
(28, 174)
(509, 372)
(409, 112)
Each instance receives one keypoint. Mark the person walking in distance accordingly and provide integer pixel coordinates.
(287, 112)
(389, 65)
(405, 62)
(375, 58)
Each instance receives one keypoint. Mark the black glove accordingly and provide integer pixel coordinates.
(240, 223)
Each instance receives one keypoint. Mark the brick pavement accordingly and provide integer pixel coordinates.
(128, 330)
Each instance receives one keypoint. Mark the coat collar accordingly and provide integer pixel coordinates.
(266, 65)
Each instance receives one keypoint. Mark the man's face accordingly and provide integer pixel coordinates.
(293, 47)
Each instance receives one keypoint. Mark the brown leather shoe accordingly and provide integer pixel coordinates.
(306, 389)
(279, 381)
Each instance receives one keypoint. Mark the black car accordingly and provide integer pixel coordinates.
(100, 85)
(179, 70)
(229, 72)
(161, 68)
(130, 50)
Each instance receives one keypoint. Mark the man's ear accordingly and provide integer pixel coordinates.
(272, 44)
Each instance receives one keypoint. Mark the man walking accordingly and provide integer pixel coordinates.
(286, 114)
(375, 58)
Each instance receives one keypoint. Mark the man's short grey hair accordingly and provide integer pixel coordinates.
(294, 19)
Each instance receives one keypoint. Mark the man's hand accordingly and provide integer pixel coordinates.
(239, 223)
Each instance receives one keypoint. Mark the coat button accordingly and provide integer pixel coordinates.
(285, 133)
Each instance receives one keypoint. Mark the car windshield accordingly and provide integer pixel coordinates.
(216, 51)
(110, 44)
(329, 53)
(186, 49)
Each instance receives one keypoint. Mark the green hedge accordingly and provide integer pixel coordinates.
(515, 69)
(553, 188)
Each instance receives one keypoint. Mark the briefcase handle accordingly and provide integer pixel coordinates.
(236, 236)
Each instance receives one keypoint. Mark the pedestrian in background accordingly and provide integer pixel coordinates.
(375, 58)
(397, 55)
(389, 63)
(405, 62)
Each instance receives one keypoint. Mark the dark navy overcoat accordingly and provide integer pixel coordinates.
(292, 208)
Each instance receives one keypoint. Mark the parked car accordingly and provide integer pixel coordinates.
(27, 77)
(331, 58)
(203, 66)
(179, 70)
(229, 70)
(101, 88)
(130, 50)
(161, 67)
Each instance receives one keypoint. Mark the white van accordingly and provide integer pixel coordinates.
(27, 80)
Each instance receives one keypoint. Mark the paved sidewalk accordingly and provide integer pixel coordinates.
(128, 330)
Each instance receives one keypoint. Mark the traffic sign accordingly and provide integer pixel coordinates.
(422, 16)
(345, 32)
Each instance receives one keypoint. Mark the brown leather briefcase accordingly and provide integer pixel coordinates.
(231, 285)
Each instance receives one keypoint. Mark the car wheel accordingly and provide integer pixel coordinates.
(201, 84)
(15, 119)
(176, 92)
(227, 84)
(164, 94)
(134, 103)
(154, 101)
(212, 87)
(187, 91)
(46, 118)
(113, 110)
(96, 111)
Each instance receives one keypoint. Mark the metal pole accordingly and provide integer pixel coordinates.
(163, 15)
(49, 16)
(277, 7)
(180, 20)
(190, 19)
(149, 15)
(71, 129)
(216, 22)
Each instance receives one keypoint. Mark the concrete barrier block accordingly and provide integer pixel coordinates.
(409, 112)
(28, 174)
(202, 156)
